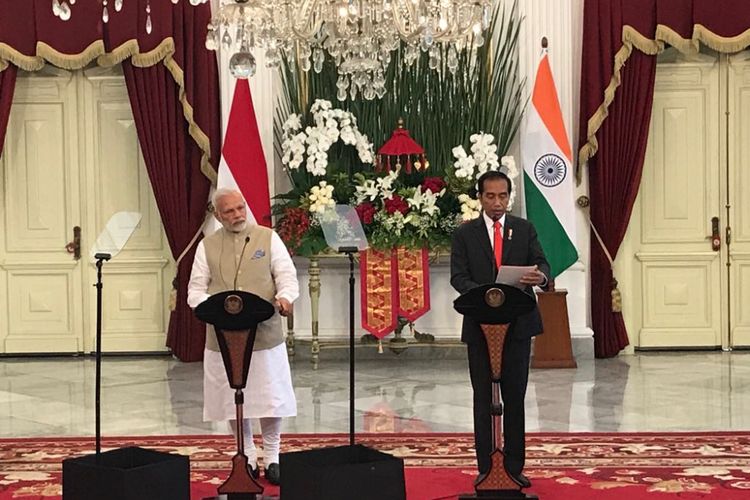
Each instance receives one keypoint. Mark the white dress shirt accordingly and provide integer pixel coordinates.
(491, 228)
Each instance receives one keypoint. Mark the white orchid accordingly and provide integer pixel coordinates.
(464, 164)
(484, 152)
(321, 197)
(329, 126)
(482, 159)
(293, 123)
(509, 163)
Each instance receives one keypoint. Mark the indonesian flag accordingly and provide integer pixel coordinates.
(548, 179)
(243, 164)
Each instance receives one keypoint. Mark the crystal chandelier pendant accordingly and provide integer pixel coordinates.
(118, 5)
(149, 26)
(226, 40)
(212, 38)
(242, 65)
(105, 12)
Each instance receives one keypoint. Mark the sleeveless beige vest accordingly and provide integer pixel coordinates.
(223, 249)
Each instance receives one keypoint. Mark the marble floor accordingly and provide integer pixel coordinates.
(159, 395)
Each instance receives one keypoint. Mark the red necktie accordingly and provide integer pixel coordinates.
(498, 244)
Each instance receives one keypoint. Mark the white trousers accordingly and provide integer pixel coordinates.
(270, 428)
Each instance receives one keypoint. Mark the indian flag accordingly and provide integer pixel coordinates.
(547, 175)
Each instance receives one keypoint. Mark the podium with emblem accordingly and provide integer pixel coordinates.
(495, 306)
(235, 316)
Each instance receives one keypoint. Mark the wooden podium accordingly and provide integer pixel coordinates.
(495, 306)
(553, 349)
(235, 316)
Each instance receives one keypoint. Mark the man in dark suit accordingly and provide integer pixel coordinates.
(479, 248)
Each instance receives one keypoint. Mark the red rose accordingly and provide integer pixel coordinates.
(396, 204)
(366, 212)
(434, 184)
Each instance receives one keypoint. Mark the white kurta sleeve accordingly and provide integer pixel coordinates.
(283, 270)
(200, 276)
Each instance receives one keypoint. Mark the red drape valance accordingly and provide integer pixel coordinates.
(31, 35)
(173, 88)
(620, 41)
(613, 28)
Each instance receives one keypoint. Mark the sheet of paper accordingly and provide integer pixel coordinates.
(511, 275)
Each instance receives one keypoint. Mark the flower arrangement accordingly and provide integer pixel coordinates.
(396, 209)
(329, 125)
(328, 153)
(396, 213)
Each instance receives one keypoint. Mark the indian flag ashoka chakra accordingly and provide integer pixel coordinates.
(550, 170)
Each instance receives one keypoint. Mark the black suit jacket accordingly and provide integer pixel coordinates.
(473, 264)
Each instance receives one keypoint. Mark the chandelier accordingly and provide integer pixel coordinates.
(63, 9)
(358, 35)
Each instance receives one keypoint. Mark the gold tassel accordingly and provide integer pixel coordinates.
(616, 297)
(380, 346)
(163, 51)
(173, 295)
(118, 54)
(200, 137)
(70, 61)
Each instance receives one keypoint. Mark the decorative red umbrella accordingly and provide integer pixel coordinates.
(398, 146)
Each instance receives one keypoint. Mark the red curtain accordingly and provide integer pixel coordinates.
(614, 179)
(7, 86)
(181, 190)
(173, 88)
(620, 40)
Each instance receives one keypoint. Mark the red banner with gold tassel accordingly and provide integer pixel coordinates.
(413, 283)
(393, 283)
(379, 291)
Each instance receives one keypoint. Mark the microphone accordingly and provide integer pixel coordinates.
(239, 263)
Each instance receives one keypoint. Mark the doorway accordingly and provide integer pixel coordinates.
(71, 160)
(685, 261)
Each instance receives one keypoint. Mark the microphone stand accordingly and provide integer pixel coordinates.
(350, 251)
(100, 258)
(239, 262)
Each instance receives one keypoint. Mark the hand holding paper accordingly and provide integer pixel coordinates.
(520, 276)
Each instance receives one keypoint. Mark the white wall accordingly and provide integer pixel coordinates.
(561, 22)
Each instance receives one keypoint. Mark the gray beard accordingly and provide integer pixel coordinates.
(238, 228)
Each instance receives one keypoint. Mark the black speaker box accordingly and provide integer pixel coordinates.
(127, 474)
(342, 473)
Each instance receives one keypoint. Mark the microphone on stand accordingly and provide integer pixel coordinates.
(239, 263)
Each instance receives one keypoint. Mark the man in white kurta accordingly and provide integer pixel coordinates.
(251, 258)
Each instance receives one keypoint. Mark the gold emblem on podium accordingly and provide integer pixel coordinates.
(494, 297)
(233, 304)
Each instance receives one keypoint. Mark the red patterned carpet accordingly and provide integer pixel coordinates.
(440, 466)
